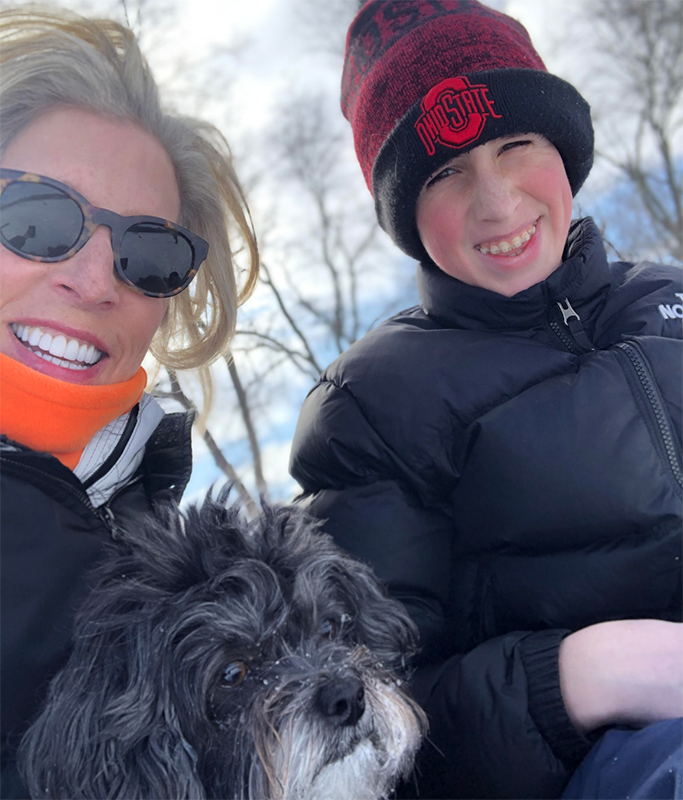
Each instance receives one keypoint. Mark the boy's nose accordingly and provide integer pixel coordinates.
(496, 196)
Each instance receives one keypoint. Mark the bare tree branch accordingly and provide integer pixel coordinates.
(641, 42)
(294, 356)
(249, 425)
(221, 461)
(310, 356)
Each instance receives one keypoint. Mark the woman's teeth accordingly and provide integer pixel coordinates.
(507, 247)
(57, 349)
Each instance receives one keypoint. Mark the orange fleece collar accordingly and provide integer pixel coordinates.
(59, 417)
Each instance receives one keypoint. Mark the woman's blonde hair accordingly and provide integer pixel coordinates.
(51, 57)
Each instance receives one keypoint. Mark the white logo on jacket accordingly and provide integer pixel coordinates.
(673, 311)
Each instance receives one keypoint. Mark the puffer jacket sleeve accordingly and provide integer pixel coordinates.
(498, 724)
(363, 491)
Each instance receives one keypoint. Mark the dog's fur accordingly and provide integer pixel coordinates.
(222, 659)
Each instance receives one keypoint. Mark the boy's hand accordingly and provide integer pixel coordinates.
(623, 672)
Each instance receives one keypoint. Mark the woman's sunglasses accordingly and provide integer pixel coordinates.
(44, 220)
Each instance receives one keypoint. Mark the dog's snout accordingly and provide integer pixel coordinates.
(342, 700)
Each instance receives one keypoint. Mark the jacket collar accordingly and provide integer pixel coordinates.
(114, 453)
(165, 467)
(583, 278)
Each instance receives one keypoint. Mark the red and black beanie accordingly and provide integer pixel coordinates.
(426, 80)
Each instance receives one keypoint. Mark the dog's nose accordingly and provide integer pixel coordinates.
(342, 700)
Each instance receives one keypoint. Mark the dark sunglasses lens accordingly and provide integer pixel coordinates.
(156, 259)
(38, 220)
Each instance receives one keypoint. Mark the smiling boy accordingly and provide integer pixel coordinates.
(507, 454)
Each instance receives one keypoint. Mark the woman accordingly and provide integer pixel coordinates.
(507, 455)
(118, 223)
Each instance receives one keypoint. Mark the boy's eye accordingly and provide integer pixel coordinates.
(515, 144)
(440, 176)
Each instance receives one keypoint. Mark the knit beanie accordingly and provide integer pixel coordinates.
(427, 80)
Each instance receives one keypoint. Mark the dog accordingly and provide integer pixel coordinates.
(218, 658)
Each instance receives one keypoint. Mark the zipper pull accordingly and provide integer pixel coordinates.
(107, 516)
(573, 321)
(568, 312)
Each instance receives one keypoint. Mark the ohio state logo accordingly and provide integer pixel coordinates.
(454, 113)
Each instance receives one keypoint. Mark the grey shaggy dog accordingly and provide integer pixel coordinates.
(222, 659)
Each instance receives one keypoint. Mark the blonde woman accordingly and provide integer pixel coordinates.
(118, 224)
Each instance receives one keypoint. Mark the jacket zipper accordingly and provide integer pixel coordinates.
(103, 512)
(572, 335)
(106, 507)
(640, 367)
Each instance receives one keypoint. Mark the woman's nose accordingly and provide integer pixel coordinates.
(496, 195)
(88, 277)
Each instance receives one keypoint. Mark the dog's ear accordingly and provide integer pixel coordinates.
(379, 621)
(108, 728)
(322, 571)
(104, 733)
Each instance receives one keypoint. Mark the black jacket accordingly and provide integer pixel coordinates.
(50, 537)
(512, 477)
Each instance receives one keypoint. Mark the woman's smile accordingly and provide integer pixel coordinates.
(61, 349)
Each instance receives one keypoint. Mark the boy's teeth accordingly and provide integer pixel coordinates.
(58, 349)
(506, 247)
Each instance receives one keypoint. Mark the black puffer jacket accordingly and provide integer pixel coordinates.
(51, 537)
(512, 477)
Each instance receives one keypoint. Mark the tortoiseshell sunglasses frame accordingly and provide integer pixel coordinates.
(117, 224)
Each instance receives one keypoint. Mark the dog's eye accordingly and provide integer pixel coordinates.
(235, 673)
(328, 630)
